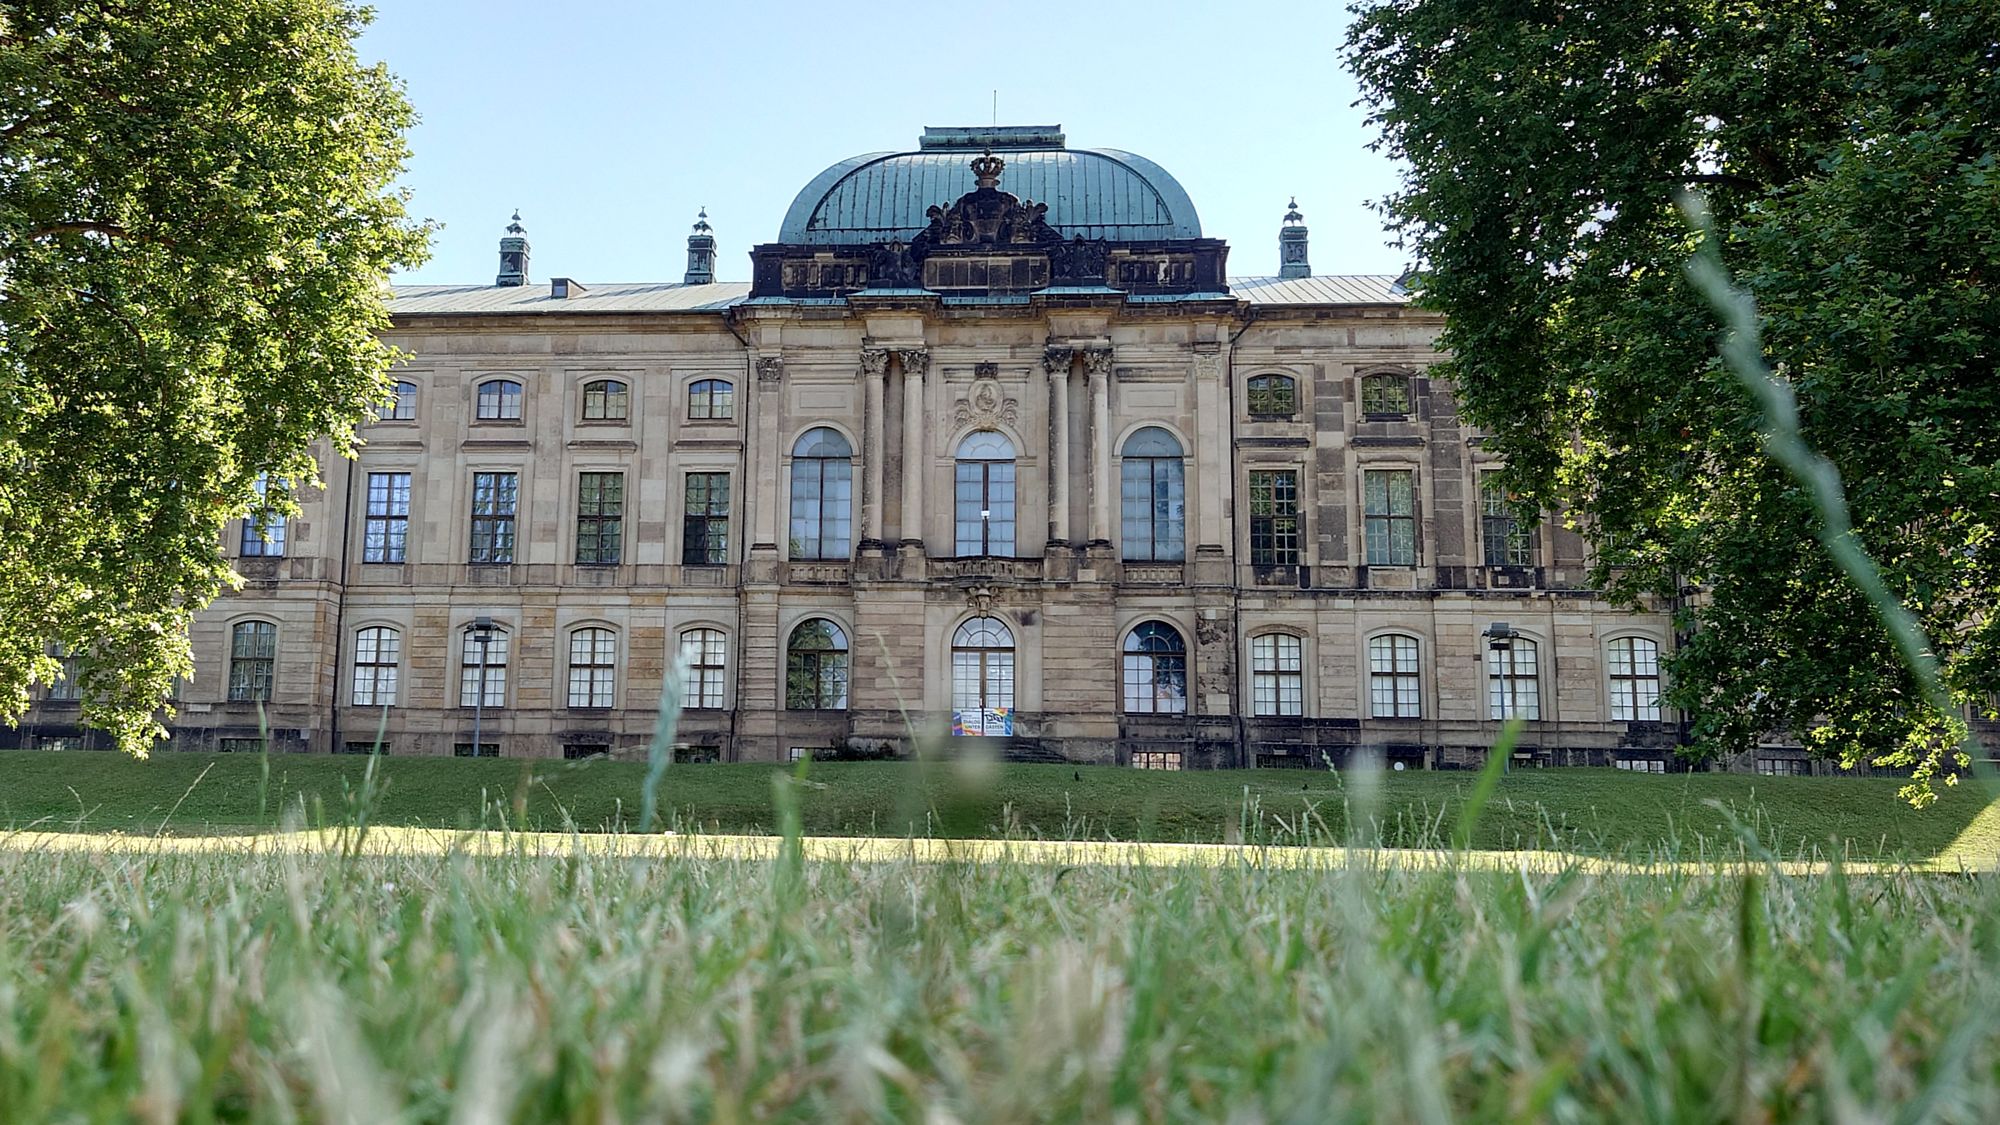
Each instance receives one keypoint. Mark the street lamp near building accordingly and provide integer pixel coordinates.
(481, 634)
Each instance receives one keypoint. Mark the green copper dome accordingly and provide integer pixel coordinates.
(1093, 193)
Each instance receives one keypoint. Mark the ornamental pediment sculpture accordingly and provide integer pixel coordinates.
(986, 216)
(986, 404)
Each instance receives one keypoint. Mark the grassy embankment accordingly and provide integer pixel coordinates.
(1592, 811)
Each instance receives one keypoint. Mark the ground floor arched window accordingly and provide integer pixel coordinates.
(1155, 672)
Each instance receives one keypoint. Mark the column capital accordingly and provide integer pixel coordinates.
(770, 369)
(1097, 362)
(1056, 360)
(875, 361)
(915, 360)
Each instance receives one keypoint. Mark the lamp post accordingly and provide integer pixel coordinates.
(1500, 638)
(481, 632)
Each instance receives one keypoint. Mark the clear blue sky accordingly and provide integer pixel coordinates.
(609, 123)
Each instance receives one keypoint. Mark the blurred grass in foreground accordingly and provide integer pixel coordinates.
(589, 987)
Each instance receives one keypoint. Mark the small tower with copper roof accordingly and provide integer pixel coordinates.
(1292, 244)
(514, 254)
(701, 252)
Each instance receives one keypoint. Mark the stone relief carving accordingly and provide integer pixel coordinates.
(1080, 260)
(985, 403)
(770, 369)
(986, 370)
(1208, 365)
(891, 266)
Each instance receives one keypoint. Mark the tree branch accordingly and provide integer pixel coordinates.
(1722, 179)
(92, 226)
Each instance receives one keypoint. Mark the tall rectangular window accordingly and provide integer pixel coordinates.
(1393, 684)
(707, 658)
(1389, 516)
(1513, 683)
(263, 528)
(495, 498)
(1507, 540)
(386, 534)
(593, 667)
(1277, 679)
(600, 518)
(376, 652)
(705, 525)
(68, 684)
(1635, 679)
(1274, 517)
(253, 656)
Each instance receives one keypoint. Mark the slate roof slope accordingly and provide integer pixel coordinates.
(613, 297)
(668, 297)
(1331, 289)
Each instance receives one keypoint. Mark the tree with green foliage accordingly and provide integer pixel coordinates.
(1848, 153)
(197, 219)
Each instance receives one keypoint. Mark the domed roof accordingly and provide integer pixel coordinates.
(1091, 192)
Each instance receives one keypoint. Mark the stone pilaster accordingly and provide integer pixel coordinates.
(874, 373)
(1097, 367)
(915, 362)
(1057, 362)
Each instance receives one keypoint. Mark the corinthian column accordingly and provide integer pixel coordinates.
(1097, 365)
(1057, 362)
(875, 371)
(914, 361)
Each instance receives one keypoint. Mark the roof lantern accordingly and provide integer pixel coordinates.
(514, 254)
(701, 252)
(1292, 260)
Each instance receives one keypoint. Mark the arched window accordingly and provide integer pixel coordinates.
(822, 495)
(499, 401)
(376, 652)
(982, 665)
(593, 667)
(1513, 688)
(1635, 679)
(606, 400)
(816, 667)
(1277, 674)
(1154, 497)
(985, 494)
(1385, 395)
(1394, 685)
(711, 400)
(483, 666)
(253, 656)
(1155, 670)
(405, 409)
(707, 655)
(1273, 395)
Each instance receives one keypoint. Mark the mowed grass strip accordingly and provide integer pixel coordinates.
(591, 988)
(1598, 812)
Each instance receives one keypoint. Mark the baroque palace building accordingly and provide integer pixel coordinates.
(991, 446)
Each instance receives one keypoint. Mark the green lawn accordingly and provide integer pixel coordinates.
(591, 988)
(1595, 811)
